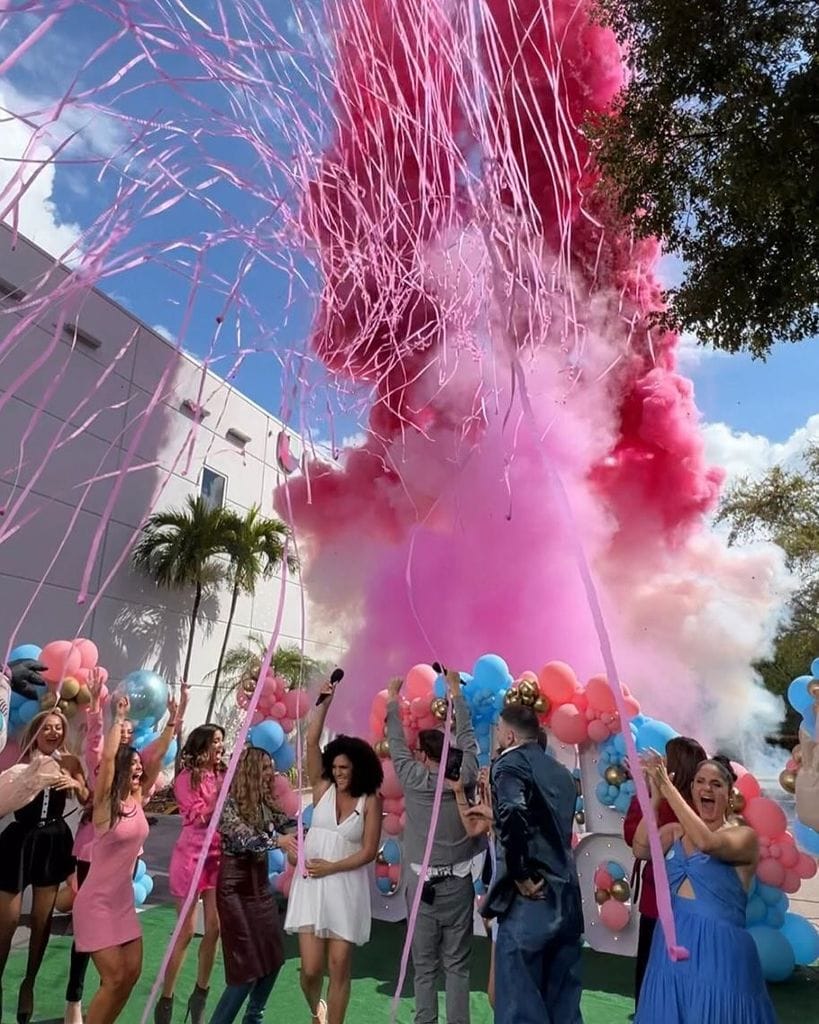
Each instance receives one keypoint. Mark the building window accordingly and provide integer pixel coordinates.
(213, 487)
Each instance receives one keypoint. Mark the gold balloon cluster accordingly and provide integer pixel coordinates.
(787, 780)
(615, 775)
(382, 748)
(438, 708)
(620, 890)
(73, 696)
(527, 693)
(737, 802)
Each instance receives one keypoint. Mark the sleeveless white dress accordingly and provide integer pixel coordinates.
(338, 906)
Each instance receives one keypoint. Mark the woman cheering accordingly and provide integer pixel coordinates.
(330, 907)
(710, 862)
(105, 918)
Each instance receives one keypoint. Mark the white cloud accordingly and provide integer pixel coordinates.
(691, 354)
(32, 193)
(751, 455)
(164, 332)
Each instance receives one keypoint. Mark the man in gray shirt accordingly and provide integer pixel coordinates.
(443, 931)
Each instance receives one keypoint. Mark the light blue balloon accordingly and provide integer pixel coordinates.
(806, 838)
(139, 874)
(30, 652)
(798, 697)
(768, 894)
(620, 744)
(139, 893)
(775, 917)
(484, 759)
(809, 721)
(391, 852)
(147, 693)
(814, 667)
(803, 938)
(15, 700)
(147, 884)
(492, 672)
(638, 721)
(285, 758)
(26, 711)
(775, 953)
(616, 870)
(385, 886)
(654, 735)
(622, 803)
(756, 911)
(275, 862)
(268, 736)
(439, 687)
(602, 792)
(307, 816)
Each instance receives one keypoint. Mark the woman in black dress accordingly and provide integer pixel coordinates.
(35, 849)
(252, 941)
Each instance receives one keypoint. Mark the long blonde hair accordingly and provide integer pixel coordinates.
(249, 790)
(33, 728)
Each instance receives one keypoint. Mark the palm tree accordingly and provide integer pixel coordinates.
(242, 664)
(179, 548)
(255, 546)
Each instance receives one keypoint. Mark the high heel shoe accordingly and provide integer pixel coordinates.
(163, 1011)
(196, 1006)
(25, 1006)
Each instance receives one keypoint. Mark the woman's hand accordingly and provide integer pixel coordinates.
(394, 687)
(289, 845)
(67, 781)
(453, 683)
(327, 691)
(178, 712)
(95, 685)
(121, 708)
(320, 868)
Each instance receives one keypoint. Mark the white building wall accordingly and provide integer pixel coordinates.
(50, 532)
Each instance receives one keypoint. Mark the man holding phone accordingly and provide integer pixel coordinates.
(535, 896)
(443, 931)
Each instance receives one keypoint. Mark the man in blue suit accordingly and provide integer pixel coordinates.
(535, 896)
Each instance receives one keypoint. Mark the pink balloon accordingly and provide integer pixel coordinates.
(614, 915)
(806, 866)
(530, 676)
(428, 721)
(557, 682)
(391, 787)
(392, 825)
(278, 710)
(789, 857)
(600, 695)
(382, 871)
(580, 700)
(283, 883)
(81, 675)
(287, 725)
(749, 787)
(765, 816)
(394, 873)
(569, 725)
(242, 698)
(419, 707)
(258, 717)
(598, 731)
(393, 805)
(103, 674)
(419, 681)
(104, 692)
(632, 706)
(575, 839)
(296, 703)
(791, 882)
(89, 655)
(771, 872)
(281, 785)
(376, 726)
(379, 705)
(61, 659)
(602, 879)
(290, 803)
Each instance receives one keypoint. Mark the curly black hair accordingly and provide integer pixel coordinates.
(367, 774)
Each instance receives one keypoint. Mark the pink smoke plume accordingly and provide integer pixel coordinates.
(439, 537)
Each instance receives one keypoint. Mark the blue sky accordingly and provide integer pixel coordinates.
(757, 412)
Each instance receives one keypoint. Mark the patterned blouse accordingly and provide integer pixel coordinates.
(240, 837)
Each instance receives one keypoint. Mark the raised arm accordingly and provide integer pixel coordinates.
(152, 765)
(93, 725)
(464, 731)
(369, 846)
(105, 775)
(312, 744)
(410, 774)
(739, 846)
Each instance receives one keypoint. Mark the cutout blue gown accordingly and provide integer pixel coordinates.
(722, 982)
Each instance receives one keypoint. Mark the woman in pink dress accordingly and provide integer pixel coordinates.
(105, 918)
(196, 789)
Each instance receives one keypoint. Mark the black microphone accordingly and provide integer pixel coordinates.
(335, 678)
(439, 668)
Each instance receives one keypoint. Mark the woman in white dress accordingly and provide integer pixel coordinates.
(330, 907)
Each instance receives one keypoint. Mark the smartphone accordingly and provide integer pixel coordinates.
(454, 760)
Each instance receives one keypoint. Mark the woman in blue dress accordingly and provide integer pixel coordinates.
(710, 862)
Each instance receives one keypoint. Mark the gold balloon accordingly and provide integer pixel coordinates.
(580, 818)
(382, 748)
(602, 896)
(68, 708)
(528, 691)
(621, 890)
(796, 753)
(70, 688)
(737, 802)
(438, 708)
(83, 698)
(813, 688)
(541, 705)
(512, 696)
(615, 776)
(787, 780)
(248, 684)
(48, 701)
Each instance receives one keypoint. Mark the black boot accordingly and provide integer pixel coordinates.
(163, 1011)
(196, 1005)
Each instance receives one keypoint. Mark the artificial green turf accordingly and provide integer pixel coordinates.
(606, 1000)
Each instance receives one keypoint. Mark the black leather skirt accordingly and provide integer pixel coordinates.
(252, 939)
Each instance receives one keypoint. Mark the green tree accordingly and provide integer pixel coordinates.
(255, 546)
(784, 507)
(713, 147)
(242, 664)
(180, 549)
